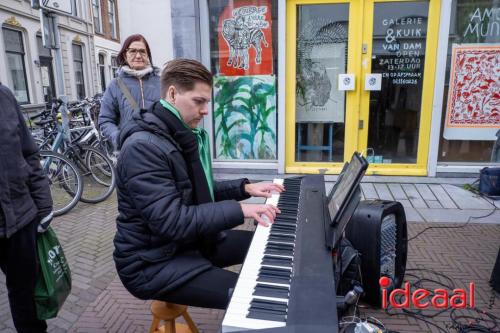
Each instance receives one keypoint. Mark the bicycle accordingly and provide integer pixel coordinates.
(96, 170)
(66, 184)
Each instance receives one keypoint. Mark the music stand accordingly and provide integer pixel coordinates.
(343, 199)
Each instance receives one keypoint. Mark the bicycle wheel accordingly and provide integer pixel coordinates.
(66, 183)
(104, 146)
(99, 175)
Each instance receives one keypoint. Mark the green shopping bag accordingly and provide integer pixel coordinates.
(54, 281)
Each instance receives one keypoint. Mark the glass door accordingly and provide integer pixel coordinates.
(321, 111)
(363, 81)
(401, 43)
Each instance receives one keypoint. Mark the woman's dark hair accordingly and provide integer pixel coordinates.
(121, 59)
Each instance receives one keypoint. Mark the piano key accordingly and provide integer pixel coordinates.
(281, 222)
(242, 298)
(293, 206)
(279, 252)
(271, 306)
(266, 310)
(266, 316)
(279, 246)
(240, 303)
(235, 323)
(281, 237)
(284, 227)
(279, 271)
(286, 233)
(271, 291)
(290, 217)
(274, 277)
(277, 261)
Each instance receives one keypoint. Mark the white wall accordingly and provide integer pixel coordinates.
(152, 19)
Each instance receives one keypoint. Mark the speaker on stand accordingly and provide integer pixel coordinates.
(378, 231)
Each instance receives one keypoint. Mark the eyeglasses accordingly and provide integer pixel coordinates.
(133, 52)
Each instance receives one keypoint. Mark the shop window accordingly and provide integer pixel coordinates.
(96, 9)
(102, 71)
(321, 55)
(114, 66)
(398, 55)
(471, 106)
(243, 43)
(112, 18)
(14, 49)
(78, 67)
(74, 7)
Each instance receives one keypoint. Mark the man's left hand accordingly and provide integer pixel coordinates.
(263, 189)
(45, 222)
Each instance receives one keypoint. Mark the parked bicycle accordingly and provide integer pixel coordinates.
(66, 137)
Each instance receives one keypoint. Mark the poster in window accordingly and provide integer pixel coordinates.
(245, 117)
(473, 110)
(245, 38)
(318, 98)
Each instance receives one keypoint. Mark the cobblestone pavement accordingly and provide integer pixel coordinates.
(99, 302)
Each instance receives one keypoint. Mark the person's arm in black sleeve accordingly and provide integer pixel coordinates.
(151, 186)
(231, 190)
(109, 115)
(37, 182)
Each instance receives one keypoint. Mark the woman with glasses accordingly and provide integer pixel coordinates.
(137, 86)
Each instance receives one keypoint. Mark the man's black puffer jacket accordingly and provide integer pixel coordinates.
(24, 188)
(160, 232)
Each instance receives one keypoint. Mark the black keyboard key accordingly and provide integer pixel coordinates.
(292, 217)
(279, 246)
(279, 252)
(266, 290)
(276, 307)
(287, 204)
(281, 238)
(277, 261)
(273, 279)
(284, 220)
(266, 274)
(255, 314)
(275, 271)
(285, 227)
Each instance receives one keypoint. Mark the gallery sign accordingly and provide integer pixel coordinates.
(401, 48)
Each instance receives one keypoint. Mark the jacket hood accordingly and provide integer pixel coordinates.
(145, 120)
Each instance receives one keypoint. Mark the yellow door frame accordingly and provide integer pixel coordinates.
(357, 101)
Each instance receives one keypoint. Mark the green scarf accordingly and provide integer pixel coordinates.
(203, 146)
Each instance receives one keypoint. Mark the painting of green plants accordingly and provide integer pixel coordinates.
(245, 117)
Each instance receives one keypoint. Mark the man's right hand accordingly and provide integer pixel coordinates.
(264, 214)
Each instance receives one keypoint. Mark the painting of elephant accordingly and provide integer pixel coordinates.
(241, 33)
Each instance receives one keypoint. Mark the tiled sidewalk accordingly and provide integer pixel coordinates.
(99, 303)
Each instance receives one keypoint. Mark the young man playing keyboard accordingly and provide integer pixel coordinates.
(173, 234)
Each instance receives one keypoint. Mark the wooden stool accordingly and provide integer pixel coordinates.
(168, 312)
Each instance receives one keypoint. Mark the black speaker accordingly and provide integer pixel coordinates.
(378, 231)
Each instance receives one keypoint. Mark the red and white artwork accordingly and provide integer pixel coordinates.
(473, 110)
(245, 38)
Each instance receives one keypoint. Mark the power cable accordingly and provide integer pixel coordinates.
(463, 225)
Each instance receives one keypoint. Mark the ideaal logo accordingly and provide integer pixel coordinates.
(419, 298)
